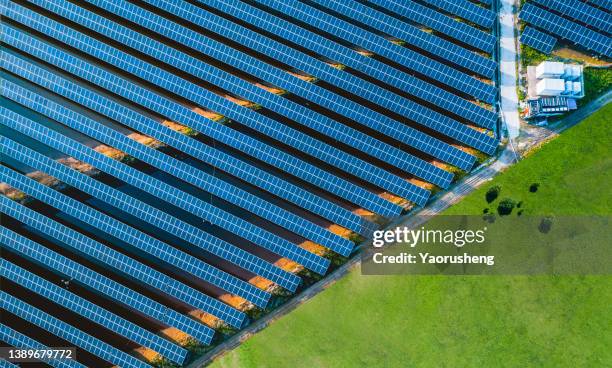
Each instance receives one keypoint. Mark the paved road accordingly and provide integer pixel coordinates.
(507, 64)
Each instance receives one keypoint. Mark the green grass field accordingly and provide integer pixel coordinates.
(467, 321)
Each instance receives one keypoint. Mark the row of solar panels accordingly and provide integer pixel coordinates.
(573, 20)
(165, 232)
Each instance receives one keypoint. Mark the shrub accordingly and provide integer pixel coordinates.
(534, 187)
(492, 193)
(520, 204)
(506, 206)
(486, 210)
(545, 225)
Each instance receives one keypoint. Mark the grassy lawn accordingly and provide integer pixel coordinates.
(473, 321)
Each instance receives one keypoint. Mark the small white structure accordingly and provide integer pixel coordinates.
(577, 88)
(572, 72)
(550, 87)
(550, 69)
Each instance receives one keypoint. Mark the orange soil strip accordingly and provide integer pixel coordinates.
(307, 78)
(207, 114)
(146, 354)
(207, 319)
(176, 127)
(275, 90)
(175, 335)
(240, 102)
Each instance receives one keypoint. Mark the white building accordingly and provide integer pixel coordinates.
(550, 87)
(550, 69)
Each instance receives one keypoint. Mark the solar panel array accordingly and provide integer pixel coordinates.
(538, 40)
(437, 21)
(466, 10)
(171, 168)
(581, 12)
(567, 29)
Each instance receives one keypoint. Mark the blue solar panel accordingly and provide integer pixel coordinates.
(192, 119)
(416, 37)
(370, 41)
(19, 340)
(203, 97)
(439, 22)
(278, 104)
(178, 168)
(561, 27)
(215, 157)
(5, 364)
(68, 332)
(101, 284)
(151, 214)
(603, 4)
(166, 192)
(538, 40)
(466, 10)
(138, 271)
(341, 79)
(92, 312)
(581, 12)
(139, 240)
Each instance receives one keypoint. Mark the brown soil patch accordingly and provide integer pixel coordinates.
(207, 319)
(307, 78)
(275, 90)
(211, 115)
(175, 335)
(567, 53)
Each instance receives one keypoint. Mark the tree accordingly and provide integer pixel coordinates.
(493, 193)
(506, 206)
(534, 187)
(545, 225)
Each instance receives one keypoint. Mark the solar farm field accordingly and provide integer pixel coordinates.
(431, 321)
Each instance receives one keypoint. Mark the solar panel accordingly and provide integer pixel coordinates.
(278, 104)
(301, 88)
(140, 241)
(603, 4)
(101, 284)
(128, 266)
(68, 332)
(154, 216)
(538, 40)
(92, 312)
(466, 10)
(370, 41)
(561, 27)
(416, 37)
(166, 192)
(208, 154)
(19, 340)
(581, 12)
(5, 364)
(192, 119)
(439, 22)
(342, 80)
(177, 168)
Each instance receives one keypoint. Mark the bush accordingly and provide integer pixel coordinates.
(486, 210)
(534, 187)
(492, 193)
(506, 206)
(545, 225)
